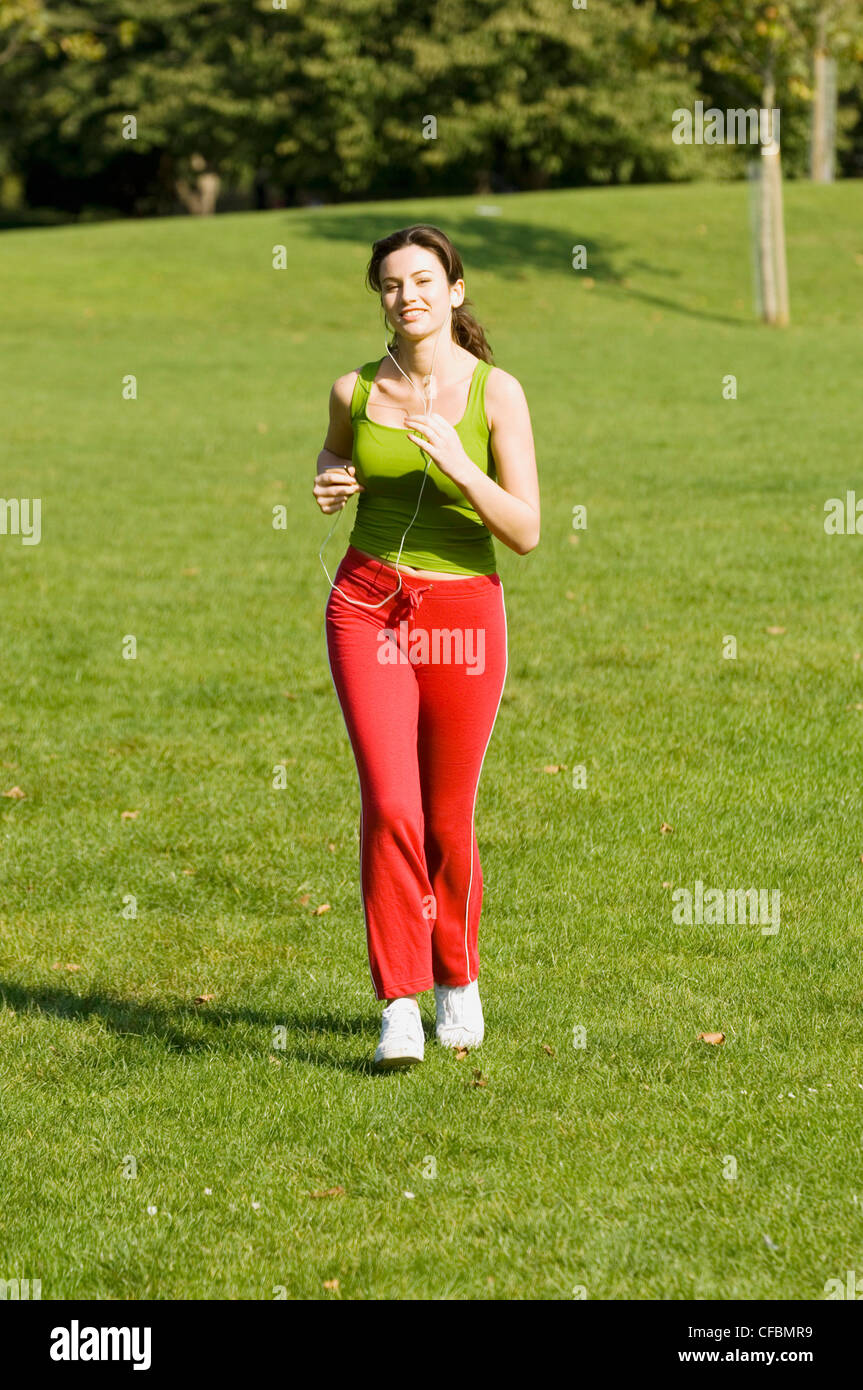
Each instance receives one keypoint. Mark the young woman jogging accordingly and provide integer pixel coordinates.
(439, 447)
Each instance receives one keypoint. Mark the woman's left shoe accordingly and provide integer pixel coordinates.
(459, 1021)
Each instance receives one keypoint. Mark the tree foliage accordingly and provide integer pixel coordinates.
(359, 98)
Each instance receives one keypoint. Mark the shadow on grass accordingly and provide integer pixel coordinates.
(208, 1031)
(506, 247)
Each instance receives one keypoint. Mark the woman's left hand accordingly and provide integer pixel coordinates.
(440, 441)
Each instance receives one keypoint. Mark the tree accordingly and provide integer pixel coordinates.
(838, 30)
(141, 103)
(756, 49)
(764, 48)
(129, 84)
(333, 98)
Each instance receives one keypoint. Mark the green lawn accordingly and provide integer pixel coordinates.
(602, 1166)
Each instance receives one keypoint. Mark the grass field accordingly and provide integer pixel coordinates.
(604, 1167)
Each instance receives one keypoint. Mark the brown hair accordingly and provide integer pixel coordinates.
(465, 329)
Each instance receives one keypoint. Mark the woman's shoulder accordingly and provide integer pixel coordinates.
(503, 392)
(501, 381)
(344, 386)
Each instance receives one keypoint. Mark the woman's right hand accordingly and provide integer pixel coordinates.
(334, 485)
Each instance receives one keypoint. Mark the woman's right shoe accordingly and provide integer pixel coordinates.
(402, 1042)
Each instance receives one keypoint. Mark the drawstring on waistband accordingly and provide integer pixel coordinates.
(415, 597)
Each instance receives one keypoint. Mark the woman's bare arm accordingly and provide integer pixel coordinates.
(334, 473)
(510, 506)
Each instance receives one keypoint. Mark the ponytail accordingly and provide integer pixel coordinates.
(468, 333)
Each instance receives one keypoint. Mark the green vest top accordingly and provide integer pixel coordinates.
(447, 533)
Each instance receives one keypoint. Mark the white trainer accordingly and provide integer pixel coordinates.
(459, 1020)
(402, 1042)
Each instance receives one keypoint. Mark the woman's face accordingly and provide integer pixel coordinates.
(414, 291)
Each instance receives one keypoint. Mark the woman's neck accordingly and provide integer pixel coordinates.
(416, 358)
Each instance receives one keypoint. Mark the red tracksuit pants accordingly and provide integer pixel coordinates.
(419, 681)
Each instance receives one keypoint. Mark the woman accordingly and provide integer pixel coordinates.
(416, 625)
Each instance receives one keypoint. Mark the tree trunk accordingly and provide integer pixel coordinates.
(774, 273)
(200, 196)
(823, 108)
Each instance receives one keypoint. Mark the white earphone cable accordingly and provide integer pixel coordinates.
(427, 398)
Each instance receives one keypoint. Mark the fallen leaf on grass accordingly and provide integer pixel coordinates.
(191, 571)
(666, 829)
(460, 1053)
(554, 767)
(289, 694)
(329, 1192)
(319, 911)
(190, 871)
(711, 1037)
(666, 884)
(776, 631)
(15, 793)
(479, 1079)
(332, 847)
(304, 899)
(204, 998)
(549, 1050)
(128, 815)
(58, 965)
(332, 1285)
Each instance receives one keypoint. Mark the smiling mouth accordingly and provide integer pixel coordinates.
(411, 314)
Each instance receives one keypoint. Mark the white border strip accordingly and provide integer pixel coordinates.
(479, 775)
